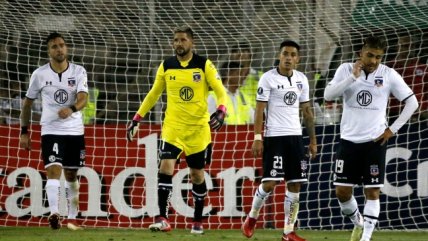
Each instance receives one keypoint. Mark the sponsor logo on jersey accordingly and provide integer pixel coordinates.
(52, 158)
(186, 93)
(61, 96)
(273, 173)
(260, 90)
(364, 98)
(290, 98)
(197, 76)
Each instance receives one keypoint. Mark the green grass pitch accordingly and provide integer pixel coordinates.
(120, 234)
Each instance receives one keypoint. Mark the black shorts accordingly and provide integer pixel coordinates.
(284, 158)
(68, 151)
(360, 163)
(196, 160)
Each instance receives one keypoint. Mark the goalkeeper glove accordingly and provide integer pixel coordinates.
(133, 127)
(217, 118)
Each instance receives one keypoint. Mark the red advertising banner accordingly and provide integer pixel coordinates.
(119, 182)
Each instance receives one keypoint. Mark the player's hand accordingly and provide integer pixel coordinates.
(257, 148)
(312, 151)
(132, 130)
(64, 113)
(133, 127)
(358, 67)
(25, 142)
(217, 118)
(385, 136)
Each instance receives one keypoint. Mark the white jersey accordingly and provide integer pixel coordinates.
(284, 95)
(59, 90)
(365, 101)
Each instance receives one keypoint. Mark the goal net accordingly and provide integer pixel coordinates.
(121, 43)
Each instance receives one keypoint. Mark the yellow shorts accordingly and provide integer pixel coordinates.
(190, 140)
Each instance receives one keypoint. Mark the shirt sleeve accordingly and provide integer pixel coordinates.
(263, 90)
(154, 93)
(34, 87)
(304, 97)
(399, 88)
(82, 84)
(343, 78)
(214, 81)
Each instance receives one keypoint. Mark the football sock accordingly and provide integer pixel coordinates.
(371, 215)
(72, 196)
(53, 191)
(291, 208)
(258, 201)
(164, 193)
(350, 209)
(199, 191)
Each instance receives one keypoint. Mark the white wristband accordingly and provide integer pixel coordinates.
(258, 137)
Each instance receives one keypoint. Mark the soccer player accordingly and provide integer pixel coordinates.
(64, 92)
(365, 86)
(282, 92)
(186, 77)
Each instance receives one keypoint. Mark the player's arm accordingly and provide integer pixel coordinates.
(24, 139)
(214, 81)
(308, 120)
(343, 78)
(148, 102)
(81, 101)
(257, 147)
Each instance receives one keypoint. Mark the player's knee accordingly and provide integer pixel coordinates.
(268, 186)
(343, 194)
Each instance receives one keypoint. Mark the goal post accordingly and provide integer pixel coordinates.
(121, 44)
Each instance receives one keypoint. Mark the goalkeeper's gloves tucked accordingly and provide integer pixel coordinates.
(217, 118)
(132, 129)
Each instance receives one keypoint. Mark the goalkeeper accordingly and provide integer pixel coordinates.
(186, 77)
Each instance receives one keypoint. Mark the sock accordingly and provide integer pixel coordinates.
(350, 209)
(72, 196)
(199, 191)
(53, 191)
(291, 208)
(164, 193)
(371, 215)
(258, 200)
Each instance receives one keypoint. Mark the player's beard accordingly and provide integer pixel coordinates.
(60, 58)
(180, 51)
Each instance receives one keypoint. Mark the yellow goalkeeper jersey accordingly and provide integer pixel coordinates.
(187, 84)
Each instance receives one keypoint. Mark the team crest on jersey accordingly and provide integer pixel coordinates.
(71, 82)
(260, 90)
(82, 154)
(197, 76)
(300, 86)
(378, 81)
(374, 170)
(303, 165)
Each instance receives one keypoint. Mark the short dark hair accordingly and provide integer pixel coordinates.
(375, 42)
(53, 35)
(289, 43)
(184, 29)
(226, 66)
